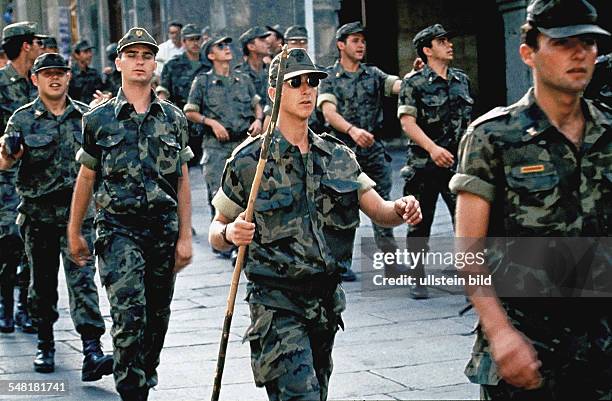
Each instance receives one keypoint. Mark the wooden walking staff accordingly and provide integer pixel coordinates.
(263, 157)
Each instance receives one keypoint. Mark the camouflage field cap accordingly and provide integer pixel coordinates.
(83, 45)
(190, 31)
(429, 33)
(276, 29)
(296, 32)
(298, 63)
(254, 32)
(215, 41)
(564, 18)
(24, 28)
(348, 29)
(49, 60)
(137, 36)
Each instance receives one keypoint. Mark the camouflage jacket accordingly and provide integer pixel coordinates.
(259, 79)
(306, 211)
(47, 170)
(112, 82)
(229, 100)
(357, 96)
(137, 158)
(177, 76)
(442, 109)
(15, 91)
(84, 84)
(540, 185)
(600, 87)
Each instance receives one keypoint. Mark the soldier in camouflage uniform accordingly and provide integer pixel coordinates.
(134, 158)
(51, 131)
(351, 101)
(519, 175)
(85, 80)
(226, 104)
(255, 48)
(23, 44)
(275, 40)
(177, 77)
(111, 77)
(306, 214)
(434, 109)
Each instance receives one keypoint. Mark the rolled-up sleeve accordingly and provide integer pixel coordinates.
(477, 165)
(406, 103)
(89, 154)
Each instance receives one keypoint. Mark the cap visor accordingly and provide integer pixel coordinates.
(297, 38)
(318, 73)
(263, 35)
(447, 34)
(573, 30)
(152, 46)
(57, 67)
(225, 39)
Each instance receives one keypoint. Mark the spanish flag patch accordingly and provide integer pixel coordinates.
(536, 168)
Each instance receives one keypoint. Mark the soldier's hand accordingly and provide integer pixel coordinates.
(182, 254)
(99, 97)
(516, 359)
(220, 132)
(442, 157)
(361, 137)
(5, 154)
(418, 64)
(240, 231)
(79, 250)
(255, 128)
(409, 209)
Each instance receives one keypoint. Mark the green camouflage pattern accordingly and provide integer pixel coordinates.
(289, 356)
(84, 84)
(600, 87)
(137, 158)
(177, 75)
(359, 96)
(47, 171)
(44, 244)
(259, 79)
(136, 259)
(442, 108)
(228, 100)
(112, 82)
(319, 213)
(539, 185)
(306, 214)
(215, 155)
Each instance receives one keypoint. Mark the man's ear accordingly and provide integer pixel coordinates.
(118, 62)
(271, 93)
(34, 79)
(526, 53)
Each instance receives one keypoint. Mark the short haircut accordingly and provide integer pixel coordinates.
(12, 46)
(176, 24)
(529, 35)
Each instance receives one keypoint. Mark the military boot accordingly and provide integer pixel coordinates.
(95, 363)
(22, 317)
(45, 355)
(7, 324)
(141, 394)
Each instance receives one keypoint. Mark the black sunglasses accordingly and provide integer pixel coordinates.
(296, 82)
(222, 45)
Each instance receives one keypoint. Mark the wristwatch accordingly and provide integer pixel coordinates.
(224, 235)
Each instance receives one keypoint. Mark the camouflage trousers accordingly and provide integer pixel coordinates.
(44, 243)
(292, 358)
(136, 261)
(376, 163)
(215, 155)
(11, 251)
(425, 185)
